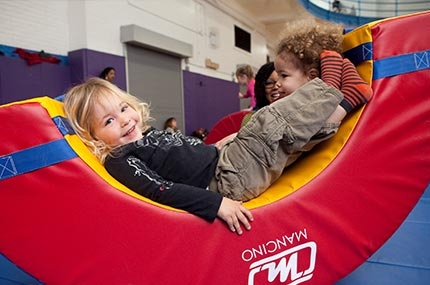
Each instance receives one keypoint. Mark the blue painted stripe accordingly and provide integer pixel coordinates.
(35, 158)
(401, 64)
(360, 53)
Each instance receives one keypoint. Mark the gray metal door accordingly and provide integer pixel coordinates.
(156, 78)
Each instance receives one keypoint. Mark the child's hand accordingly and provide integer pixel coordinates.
(234, 213)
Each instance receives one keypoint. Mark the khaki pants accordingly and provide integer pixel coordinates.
(274, 137)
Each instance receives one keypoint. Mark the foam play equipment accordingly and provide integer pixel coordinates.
(64, 220)
(405, 257)
(226, 126)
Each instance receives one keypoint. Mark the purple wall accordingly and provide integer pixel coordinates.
(19, 81)
(207, 99)
(86, 63)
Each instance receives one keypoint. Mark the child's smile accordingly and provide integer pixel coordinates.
(116, 123)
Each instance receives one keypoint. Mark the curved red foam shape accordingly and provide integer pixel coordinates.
(226, 126)
(64, 224)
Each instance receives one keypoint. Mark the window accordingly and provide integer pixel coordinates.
(242, 39)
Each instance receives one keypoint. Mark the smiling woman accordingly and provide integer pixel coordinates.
(266, 88)
(108, 74)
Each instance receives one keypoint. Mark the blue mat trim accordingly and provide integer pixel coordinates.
(360, 53)
(35, 158)
(63, 125)
(10, 274)
(401, 64)
(405, 257)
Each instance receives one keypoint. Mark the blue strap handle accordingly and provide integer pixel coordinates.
(401, 64)
(34, 158)
(40, 156)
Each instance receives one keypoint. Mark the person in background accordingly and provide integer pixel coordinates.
(200, 133)
(336, 6)
(353, 12)
(171, 125)
(108, 74)
(265, 89)
(245, 76)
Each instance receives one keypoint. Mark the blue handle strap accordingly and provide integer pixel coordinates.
(401, 64)
(63, 125)
(390, 66)
(360, 53)
(40, 156)
(34, 158)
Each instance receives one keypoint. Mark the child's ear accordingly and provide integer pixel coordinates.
(313, 73)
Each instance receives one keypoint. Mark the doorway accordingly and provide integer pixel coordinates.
(156, 78)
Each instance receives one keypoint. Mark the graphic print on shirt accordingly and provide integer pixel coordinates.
(166, 140)
(142, 170)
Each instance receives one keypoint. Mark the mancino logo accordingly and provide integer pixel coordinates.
(285, 264)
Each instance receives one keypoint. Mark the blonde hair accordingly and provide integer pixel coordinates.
(81, 100)
(245, 70)
(304, 40)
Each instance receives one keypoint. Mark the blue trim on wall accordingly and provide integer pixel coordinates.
(346, 19)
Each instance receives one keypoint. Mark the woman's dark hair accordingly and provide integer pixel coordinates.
(260, 88)
(168, 122)
(105, 72)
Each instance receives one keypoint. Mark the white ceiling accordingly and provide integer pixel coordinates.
(274, 14)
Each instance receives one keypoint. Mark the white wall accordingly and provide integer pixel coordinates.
(35, 25)
(60, 26)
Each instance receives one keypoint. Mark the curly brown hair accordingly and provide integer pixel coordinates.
(306, 39)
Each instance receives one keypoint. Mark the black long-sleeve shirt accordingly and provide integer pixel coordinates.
(170, 169)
